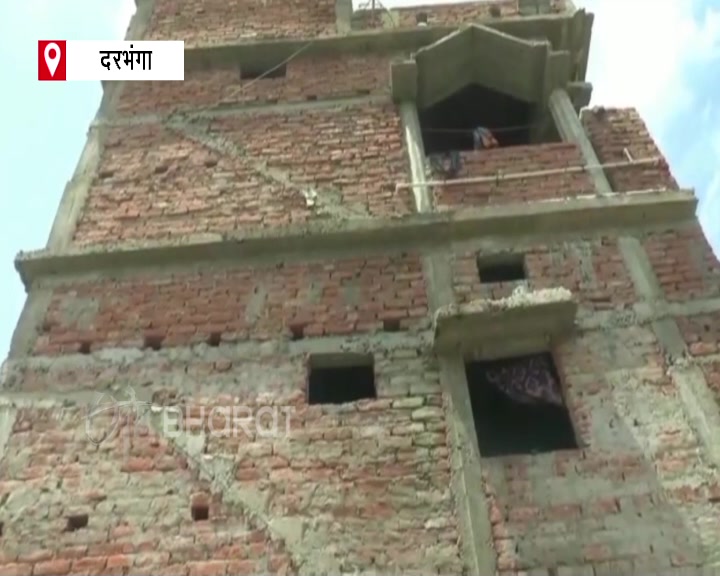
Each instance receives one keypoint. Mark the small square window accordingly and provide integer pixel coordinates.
(504, 269)
(200, 512)
(518, 407)
(342, 378)
(252, 72)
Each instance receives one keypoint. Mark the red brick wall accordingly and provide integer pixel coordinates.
(138, 505)
(449, 14)
(204, 22)
(594, 272)
(305, 79)
(701, 333)
(625, 503)
(611, 130)
(353, 472)
(351, 296)
(155, 184)
(514, 160)
(684, 263)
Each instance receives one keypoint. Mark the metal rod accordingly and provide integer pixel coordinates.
(500, 177)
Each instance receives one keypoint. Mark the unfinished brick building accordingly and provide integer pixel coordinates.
(270, 233)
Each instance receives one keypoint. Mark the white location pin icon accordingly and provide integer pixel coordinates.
(52, 57)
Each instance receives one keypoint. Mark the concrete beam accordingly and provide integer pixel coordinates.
(583, 216)
(524, 323)
(75, 193)
(271, 51)
(570, 129)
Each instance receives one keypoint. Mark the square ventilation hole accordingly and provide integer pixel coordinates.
(76, 522)
(509, 268)
(341, 378)
(200, 512)
(250, 72)
(518, 407)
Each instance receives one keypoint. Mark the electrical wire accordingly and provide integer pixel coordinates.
(498, 130)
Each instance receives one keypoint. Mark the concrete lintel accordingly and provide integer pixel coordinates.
(583, 215)
(272, 50)
(524, 323)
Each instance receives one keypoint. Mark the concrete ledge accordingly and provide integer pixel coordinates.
(524, 323)
(417, 232)
(273, 51)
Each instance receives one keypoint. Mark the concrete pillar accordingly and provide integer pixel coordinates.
(474, 515)
(343, 16)
(697, 398)
(570, 129)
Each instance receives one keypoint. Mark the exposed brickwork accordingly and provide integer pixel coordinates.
(684, 263)
(636, 495)
(355, 470)
(446, 14)
(593, 271)
(156, 183)
(712, 373)
(515, 160)
(137, 493)
(305, 79)
(207, 22)
(324, 299)
(701, 333)
(611, 131)
(367, 486)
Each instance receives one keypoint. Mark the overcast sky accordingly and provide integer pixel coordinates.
(662, 56)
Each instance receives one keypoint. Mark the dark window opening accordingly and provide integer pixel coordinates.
(516, 415)
(341, 379)
(391, 325)
(76, 522)
(447, 126)
(214, 339)
(508, 269)
(251, 72)
(85, 347)
(200, 512)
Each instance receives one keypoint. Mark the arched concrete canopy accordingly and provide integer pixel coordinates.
(525, 69)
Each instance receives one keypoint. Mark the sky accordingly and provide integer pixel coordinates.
(660, 56)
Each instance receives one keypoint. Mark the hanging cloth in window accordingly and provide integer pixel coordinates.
(528, 381)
